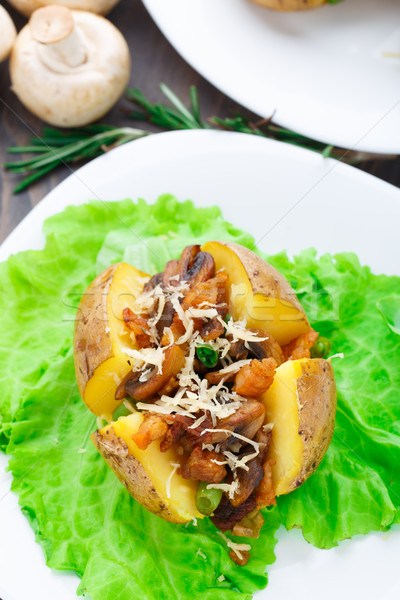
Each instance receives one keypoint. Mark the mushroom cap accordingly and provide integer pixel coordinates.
(51, 24)
(72, 96)
(7, 33)
(101, 7)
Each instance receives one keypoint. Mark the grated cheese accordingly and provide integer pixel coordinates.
(168, 482)
(338, 355)
(146, 356)
(238, 331)
(237, 548)
(221, 578)
(200, 553)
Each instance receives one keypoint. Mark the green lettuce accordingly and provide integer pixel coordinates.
(83, 517)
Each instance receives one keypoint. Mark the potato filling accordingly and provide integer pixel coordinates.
(198, 378)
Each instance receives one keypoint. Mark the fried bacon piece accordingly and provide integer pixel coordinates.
(226, 516)
(153, 428)
(201, 466)
(300, 346)
(139, 326)
(207, 293)
(174, 359)
(242, 560)
(171, 270)
(255, 378)
(175, 432)
(211, 330)
(250, 525)
(170, 387)
(210, 292)
(265, 492)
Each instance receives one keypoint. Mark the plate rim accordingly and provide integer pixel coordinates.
(384, 147)
(41, 209)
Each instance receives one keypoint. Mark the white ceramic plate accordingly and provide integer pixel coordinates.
(332, 73)
(287, 198)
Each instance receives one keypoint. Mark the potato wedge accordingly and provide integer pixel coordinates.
(301, 405)
(147, 473)
(258, 293)
(289, 5)
(100, 335)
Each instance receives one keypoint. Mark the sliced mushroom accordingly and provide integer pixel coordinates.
(153, 282)
(174, 360)
(172, 269)
(203, 268)
(246, 421)
(249, 480)
(268, 348)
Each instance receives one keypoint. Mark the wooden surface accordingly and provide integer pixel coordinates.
(153, 61)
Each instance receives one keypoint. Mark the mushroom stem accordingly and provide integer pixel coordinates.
(59, 41)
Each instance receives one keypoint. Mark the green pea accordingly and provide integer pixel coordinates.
(207, 355)
(321, 348)
(207, 500)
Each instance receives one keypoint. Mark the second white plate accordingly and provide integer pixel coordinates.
(332, 73)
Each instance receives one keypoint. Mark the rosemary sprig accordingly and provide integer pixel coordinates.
(77, 145)
(56, 147)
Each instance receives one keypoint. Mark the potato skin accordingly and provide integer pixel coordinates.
(264, 279)
(289, 5)
(317, 410)
(131, 473)
(90, 325)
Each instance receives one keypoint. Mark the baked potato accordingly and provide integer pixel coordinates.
(301, 404)
(100, 336)
(258, 293)
(147, 474)
(227, 408)
(290, 5)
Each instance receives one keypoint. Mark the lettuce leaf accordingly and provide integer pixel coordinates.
(83, 517)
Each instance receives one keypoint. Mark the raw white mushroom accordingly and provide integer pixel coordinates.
(7, 33)
(69, 67)
(102, 7)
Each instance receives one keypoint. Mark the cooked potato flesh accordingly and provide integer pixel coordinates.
(258, 307)
(99, 391)
(281, 403)
(181, 500)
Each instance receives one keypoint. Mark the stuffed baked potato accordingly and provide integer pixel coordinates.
(226, 408)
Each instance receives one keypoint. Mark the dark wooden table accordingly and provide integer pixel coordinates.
(153, 61)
